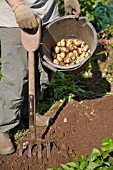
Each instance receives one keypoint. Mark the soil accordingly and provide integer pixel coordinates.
(80, 125)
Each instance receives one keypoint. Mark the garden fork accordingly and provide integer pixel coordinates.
(31, 43)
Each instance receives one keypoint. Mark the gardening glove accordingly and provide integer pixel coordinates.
(25, 17)
(72, 7)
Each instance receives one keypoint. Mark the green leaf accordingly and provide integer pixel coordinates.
(83, 165)
(0, 76)
(111, 45)
(105, 148)
(95, 154)
(61, 75)
(110, 160)
(103, 168)
(92, 166)
(65, 167)
(99, 162)
(80, 158)
(110, 168)
(105, 155)
(54, 169)
(107, 163)
(73, 164)
(95, 150)
(107, 145)
(106, 141)
(89, 158)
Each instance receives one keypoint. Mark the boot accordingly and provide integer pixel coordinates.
(43, 120)
(6, 145)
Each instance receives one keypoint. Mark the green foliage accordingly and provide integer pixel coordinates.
(109, 31)
(111, 45)
(106, 33)
(98, 160)
(60, 87)
(87, 7)
(61, 7)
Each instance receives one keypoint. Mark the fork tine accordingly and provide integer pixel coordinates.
(31, 146)
(48, 149)
(21, 148)
(29, 151)
(39, 150)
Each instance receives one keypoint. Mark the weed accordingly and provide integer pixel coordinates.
(111, 45)
(106, 33)
(19, 134)
(109, 31)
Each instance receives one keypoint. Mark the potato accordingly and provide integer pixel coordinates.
(69, 52)
(55, 61)
(59, 58)
(63, 43)
(57, 49)
(62, 54)
(80, 50)
(85, 48)
(82, 44)
(71, 48)
(75, 53)
(67, 60)
(83, 55)
(73, 58)
(59, 44)
(63, 49)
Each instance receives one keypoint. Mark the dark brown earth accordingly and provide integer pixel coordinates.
(79, 126)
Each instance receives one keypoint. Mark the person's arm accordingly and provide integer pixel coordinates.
(14, 3)
(24, 15)
(72, 7)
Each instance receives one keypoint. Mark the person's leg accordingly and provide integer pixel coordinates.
(41, 75)
(44, 76)
(14, 70)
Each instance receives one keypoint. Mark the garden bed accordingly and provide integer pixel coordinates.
(82, 124)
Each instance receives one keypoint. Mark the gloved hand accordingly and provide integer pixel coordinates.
(72, 7)
(25, 16)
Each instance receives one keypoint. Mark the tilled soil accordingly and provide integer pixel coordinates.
(78, 128)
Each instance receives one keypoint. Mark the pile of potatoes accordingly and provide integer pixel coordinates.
(68, 52)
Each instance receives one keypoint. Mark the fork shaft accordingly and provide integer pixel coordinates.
(32, 104)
